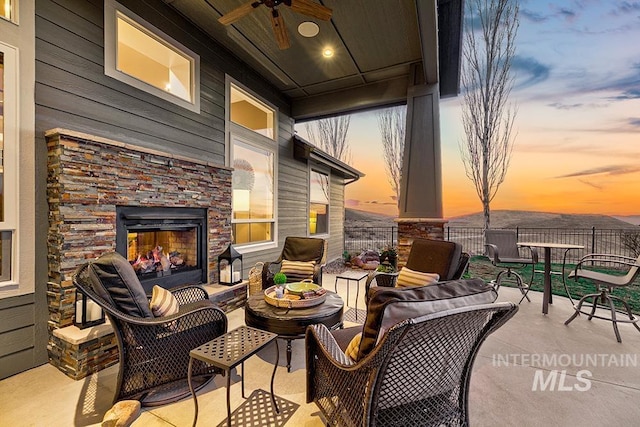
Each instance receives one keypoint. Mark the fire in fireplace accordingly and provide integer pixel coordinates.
(165, 246)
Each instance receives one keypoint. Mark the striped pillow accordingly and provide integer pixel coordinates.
(408, 277)
(354, 347)
(163, 303)
(297, 270)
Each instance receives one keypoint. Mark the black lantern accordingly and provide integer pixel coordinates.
(230, 266)
(88, 313)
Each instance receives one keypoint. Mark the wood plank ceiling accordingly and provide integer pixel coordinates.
(377, 46)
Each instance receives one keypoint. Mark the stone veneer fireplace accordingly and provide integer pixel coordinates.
(91, 179)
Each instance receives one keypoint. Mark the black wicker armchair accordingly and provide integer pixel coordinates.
(154, 351)
(417, 375)
(297, 249)
(428, 256)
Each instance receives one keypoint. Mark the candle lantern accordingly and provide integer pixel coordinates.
(88, 312)
(230, 266)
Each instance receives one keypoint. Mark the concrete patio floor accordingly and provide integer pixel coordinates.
(533, 371)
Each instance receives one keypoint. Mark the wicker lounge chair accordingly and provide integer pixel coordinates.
(428, 256)
(297, 249)
(154, 351)
(503, 251)
(418, 374)
(605, 285)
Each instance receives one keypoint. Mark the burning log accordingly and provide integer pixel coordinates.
(157, 261)
(175, 259)
(160, 259)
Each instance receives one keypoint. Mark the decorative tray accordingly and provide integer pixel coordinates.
(299, 288)
(291, 300)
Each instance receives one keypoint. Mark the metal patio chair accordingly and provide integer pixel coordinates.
(503, 251)
(605, 285)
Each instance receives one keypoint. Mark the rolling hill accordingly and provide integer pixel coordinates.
(501, 219)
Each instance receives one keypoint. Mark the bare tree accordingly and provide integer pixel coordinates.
(392, 125)
(331, 136)
(631, 241)
(487, 116)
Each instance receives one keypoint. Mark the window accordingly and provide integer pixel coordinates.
(246, 111)
(142, 56)
(8, 10)
(253, 157)
(8, 161)
(318, 203)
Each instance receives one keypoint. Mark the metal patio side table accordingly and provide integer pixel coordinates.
(228, 351)
(348, 276)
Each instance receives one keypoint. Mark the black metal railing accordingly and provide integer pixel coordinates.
(613, 241)
(357, 239)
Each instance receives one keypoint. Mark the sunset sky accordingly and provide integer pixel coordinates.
(577, 148)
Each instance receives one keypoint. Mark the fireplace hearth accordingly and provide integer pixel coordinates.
(165, 245)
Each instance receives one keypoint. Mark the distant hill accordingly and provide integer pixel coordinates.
(501, 219)
(356, 218)
(631, 219)
(510, 219)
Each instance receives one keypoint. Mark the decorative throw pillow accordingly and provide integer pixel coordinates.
(408, 277)
(388, 306)
(116, 281)
(163, 303)
(353, 347)
(297, 270)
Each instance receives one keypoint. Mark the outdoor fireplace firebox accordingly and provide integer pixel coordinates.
(165, 246)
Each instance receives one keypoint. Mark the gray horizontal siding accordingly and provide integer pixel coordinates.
(17, 335)
(73, 91)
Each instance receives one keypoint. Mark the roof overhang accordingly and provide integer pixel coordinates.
(304, 150)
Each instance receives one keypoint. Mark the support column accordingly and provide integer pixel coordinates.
(420, 206)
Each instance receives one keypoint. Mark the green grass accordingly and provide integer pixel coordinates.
(481, 267)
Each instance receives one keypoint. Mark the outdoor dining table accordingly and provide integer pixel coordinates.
(547, 246)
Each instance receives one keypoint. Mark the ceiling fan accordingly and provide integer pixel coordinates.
(306, 7)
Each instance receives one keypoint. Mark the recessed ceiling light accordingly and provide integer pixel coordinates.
(327, 52)
(308, 29)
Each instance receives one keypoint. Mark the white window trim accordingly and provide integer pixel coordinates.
(14, 12)
(10, 155)
(326, 171)
(111, 10)
(255, 139)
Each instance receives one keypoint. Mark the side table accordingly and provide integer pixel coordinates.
(350, 275)
(228, 351)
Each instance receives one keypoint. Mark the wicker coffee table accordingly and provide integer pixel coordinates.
(228, 351)
(291, 324)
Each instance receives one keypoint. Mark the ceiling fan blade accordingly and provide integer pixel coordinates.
(279, 30)
(309, 8)
(237, 13)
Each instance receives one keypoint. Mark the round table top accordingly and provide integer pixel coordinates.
(292, 321)
(551, 245)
